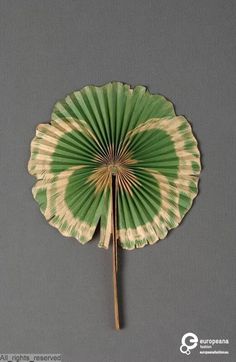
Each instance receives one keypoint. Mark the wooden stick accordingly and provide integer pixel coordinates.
(114, 251)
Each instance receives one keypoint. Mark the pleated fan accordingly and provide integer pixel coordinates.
(118, 156)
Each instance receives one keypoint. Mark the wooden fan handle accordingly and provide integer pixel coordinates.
(114, 251)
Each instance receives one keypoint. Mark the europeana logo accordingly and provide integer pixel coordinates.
(189, 341)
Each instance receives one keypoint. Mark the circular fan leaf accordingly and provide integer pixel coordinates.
(98, 132)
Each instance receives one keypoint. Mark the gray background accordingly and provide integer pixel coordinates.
(56, 295)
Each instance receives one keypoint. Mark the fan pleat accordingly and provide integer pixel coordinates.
(123, 95)
(100, 104)
(96, 122)
(128, 111)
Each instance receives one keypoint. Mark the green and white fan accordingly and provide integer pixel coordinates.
(118, 156)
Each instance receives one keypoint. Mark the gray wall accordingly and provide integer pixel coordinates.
(56, 295)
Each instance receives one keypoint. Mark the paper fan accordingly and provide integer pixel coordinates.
(119, 157)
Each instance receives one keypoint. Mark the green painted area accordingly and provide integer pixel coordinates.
(189, 144)
(184, 203)
(196, 166)
(193, 187)
(64, 226)
(73, 149)
(34, 155)
(183, 127)
(105, 208)
(172, 218)
(148, 148)
(82, 199)
(144, 203)
(83, 240)
(74, 232)
(172, 195)
(41, 198)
